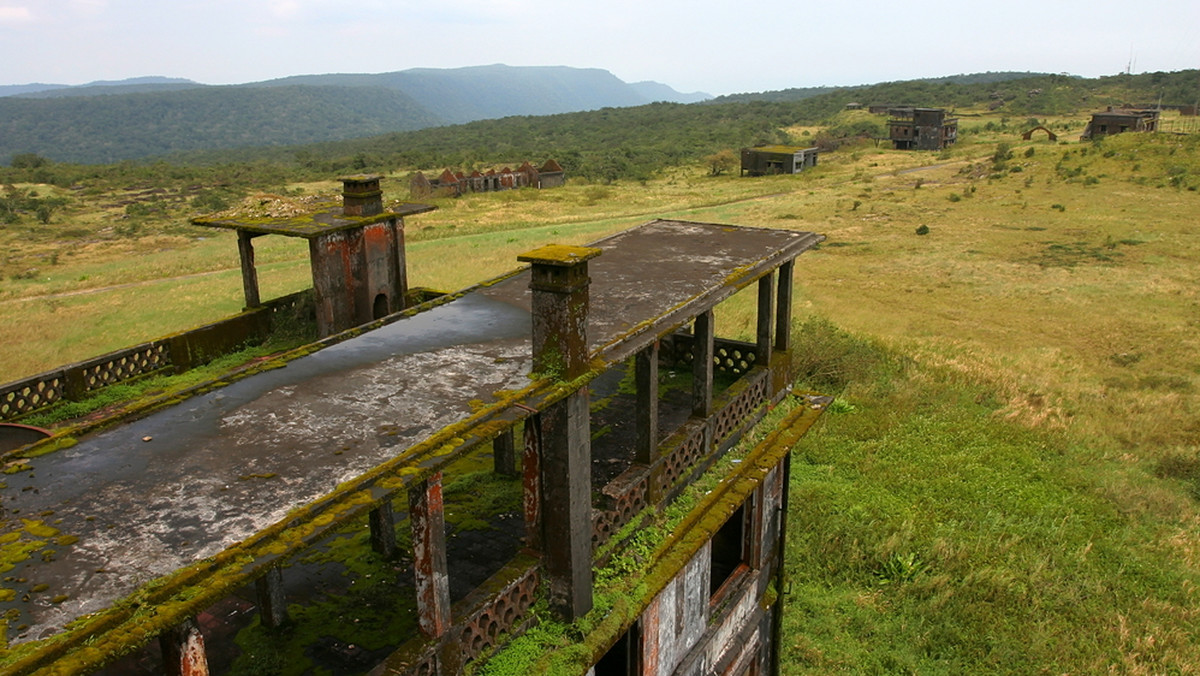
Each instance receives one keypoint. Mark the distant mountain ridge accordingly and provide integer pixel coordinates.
(110, 121)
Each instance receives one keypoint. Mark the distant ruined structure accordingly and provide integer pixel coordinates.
(456, 184)
(777, 159)
(1120, 120)
(921, 129)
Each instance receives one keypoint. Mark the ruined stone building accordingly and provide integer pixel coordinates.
(921, 129)
(456, 184)
(1120, 120)
(777, 159)
(573, 449)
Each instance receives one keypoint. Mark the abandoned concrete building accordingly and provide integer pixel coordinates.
(571, 444)
(921, 129)
(1120, 120)
(356, 252)
(777, 159)
(456, 184)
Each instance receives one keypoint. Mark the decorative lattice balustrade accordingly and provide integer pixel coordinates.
(734, 357)
(180, 351)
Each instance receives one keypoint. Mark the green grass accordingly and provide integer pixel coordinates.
(929, 536)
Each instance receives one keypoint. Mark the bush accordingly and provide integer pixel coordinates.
(828, 359)
(922, 229)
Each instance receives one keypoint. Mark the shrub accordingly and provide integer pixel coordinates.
(922, 229)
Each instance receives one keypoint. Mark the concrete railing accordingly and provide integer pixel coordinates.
(179, 352)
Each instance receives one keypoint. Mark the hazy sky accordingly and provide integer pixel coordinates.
(720, 47)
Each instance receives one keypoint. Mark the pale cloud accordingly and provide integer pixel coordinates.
(284, 8)
(15, 14)
(89, 6)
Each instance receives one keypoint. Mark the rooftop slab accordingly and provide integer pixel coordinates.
(323, 219)
(141, 500)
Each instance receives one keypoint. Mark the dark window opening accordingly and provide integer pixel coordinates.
(728, 549)
(623, 659)
(380, 309)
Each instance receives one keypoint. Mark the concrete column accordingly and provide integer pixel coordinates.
(702, 365)
(427, 516)
(183, 650)
(401, 266)
(272, 607)
(646, 378)
(567, 503)
(531, 473)
(382, 520)
(504, 454)
(559, 282)
(766, 319)
(783, 314)
(249, 272)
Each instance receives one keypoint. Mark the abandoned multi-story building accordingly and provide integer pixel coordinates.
(777, 159)
(456, 184)
(572, 444)
(921, 129)
(1120, 120)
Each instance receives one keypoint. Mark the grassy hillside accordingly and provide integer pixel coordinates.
(1010, 480)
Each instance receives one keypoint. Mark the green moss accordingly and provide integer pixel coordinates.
(39, 529)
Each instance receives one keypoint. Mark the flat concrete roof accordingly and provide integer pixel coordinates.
(150, 496)
(324, 219)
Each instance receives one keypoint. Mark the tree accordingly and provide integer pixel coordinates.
(721, 162)
(27, 161)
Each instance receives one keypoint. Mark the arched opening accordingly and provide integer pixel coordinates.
(380, 307)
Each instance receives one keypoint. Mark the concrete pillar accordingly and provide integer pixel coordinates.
(766, 319)
(702, 365)
(559, 282)
(183, 650)
(567, 503)
(249, 271)
(401, 266)
(646, 379)
(531, 473)
(504, 454)
(427, 516)
(272, 607)
(783, 314)
(382, 520)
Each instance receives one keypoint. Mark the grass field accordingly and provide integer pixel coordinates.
(1010, 481)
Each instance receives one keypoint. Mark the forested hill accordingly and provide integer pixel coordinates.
(459, 95)
(113, 121)
(104, 129)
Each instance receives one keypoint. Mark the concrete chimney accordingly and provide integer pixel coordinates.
(361, 195)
